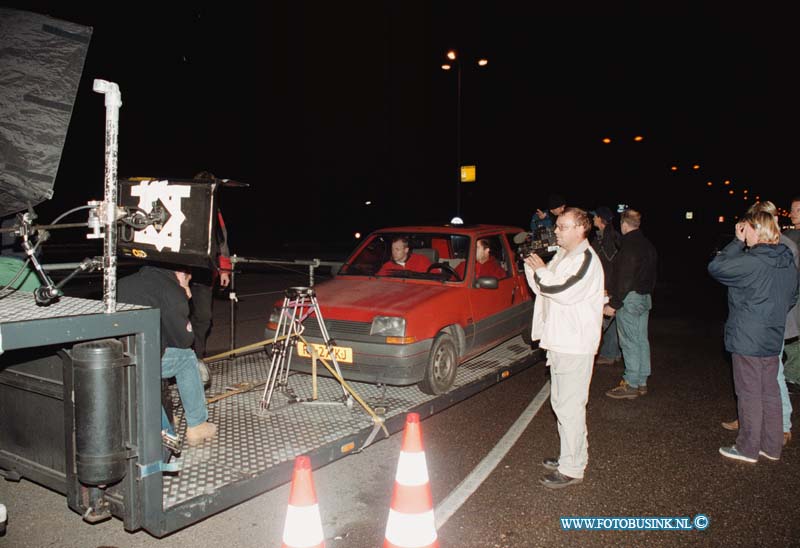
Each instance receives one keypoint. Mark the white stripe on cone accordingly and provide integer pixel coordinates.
(412, 469)
(411, 530)
(303, 526)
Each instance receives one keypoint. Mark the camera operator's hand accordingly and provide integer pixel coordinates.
(534, 261)
(541, 214)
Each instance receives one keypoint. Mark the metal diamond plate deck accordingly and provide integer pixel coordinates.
(251, 441)
(20, 306)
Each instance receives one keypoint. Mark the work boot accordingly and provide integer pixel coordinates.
(195, 435)
(623, 391)
(731, 425)
(557, 480)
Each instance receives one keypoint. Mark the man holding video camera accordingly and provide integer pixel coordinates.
(567, 319)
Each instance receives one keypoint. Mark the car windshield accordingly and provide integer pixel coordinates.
(410, 255)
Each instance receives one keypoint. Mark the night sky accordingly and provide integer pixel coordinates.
(321, 106)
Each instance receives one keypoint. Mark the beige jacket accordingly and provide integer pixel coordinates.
(568, 311)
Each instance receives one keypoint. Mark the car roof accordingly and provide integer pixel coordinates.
(469, 230)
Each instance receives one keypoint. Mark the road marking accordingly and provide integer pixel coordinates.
(474, 479)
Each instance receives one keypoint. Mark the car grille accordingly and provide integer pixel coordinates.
(336, 328)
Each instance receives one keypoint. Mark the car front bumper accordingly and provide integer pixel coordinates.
(373, 362)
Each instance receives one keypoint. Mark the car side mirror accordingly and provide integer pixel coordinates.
(486, 282)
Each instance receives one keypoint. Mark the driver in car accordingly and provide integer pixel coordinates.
(403, 259)
(485, 263)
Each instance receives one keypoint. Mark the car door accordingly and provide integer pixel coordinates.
(492, 309)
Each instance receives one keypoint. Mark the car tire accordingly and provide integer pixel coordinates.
(442, 364)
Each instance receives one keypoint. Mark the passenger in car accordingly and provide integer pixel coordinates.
(485, 263)
(403, 259)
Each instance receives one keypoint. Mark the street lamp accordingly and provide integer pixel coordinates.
(455, 63)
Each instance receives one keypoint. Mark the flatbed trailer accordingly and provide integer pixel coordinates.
(254, 450)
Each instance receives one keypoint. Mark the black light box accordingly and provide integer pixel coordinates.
(187, 235)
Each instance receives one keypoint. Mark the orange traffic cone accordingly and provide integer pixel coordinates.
(303, 526)
(411, 523)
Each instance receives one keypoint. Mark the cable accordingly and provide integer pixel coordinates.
(36, 247)
(73, 210)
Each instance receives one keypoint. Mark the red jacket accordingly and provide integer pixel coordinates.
(490, 268)
(415, 263)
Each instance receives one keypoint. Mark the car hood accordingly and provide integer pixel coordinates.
(362, 299)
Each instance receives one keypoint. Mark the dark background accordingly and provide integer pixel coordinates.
(321, 106)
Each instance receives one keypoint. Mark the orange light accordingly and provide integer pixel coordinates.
(273, 326)
(721, 219)
(606, 140)
(451, 55)
(696, 167)
(638, 139)
(730, 192)
(446, 67)
(483, 62)
(400, 340)
(727, 182)
(745, 191)
(674, 168)
(709, 183)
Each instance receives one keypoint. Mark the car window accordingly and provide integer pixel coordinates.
(374, 258)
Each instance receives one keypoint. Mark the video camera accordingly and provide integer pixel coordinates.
(542, 243)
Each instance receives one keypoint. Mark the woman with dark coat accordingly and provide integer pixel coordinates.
(762, 286)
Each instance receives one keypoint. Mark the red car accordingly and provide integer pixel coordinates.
(402, 319)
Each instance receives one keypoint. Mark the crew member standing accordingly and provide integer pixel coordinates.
(567, 319)
(606, 243)
(630, 301)
(202, 286)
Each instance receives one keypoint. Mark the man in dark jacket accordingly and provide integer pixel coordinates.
(630, 301)
(607, 242)
(761, 277)
(169, 291)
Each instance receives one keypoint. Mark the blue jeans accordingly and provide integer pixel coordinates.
(181, 363)
(609, 347)
(632, 330)
(786, 403)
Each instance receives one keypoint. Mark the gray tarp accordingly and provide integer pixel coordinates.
(41, 61)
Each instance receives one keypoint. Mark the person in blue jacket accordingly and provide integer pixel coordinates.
(762, 283)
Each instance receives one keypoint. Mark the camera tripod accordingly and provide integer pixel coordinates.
(298, 304)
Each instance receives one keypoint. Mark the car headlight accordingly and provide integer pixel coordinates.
(388, 326)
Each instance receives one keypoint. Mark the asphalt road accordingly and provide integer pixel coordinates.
(652, 456)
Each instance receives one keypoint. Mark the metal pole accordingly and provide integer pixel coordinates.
(458, 137)
(233, 299)
(113, 102)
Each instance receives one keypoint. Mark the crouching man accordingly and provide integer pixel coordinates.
(169, 291)
(567, 320)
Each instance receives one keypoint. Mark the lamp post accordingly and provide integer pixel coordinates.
(454, 62)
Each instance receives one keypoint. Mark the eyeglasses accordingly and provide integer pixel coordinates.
(564, 227)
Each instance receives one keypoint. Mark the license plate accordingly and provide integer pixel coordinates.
(343, 354)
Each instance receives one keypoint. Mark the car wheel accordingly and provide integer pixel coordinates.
(442, 364)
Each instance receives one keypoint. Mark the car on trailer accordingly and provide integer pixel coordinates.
(399, 326)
